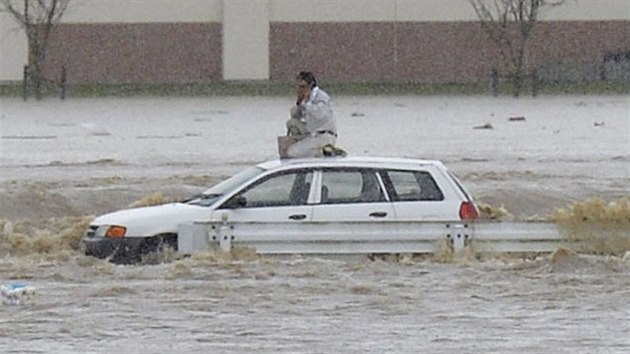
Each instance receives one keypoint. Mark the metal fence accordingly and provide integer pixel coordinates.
(371, 237)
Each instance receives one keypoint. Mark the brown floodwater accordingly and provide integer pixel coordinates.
(62, 163)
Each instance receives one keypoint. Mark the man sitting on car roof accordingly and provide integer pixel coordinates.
(312, 121)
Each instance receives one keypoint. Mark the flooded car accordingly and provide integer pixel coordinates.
(337, 189)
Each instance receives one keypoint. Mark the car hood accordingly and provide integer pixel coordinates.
(153, 220)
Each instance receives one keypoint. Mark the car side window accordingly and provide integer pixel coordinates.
(350, 186)
(281, 189)
(413, 186)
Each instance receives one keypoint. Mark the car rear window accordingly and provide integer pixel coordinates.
(412, 186)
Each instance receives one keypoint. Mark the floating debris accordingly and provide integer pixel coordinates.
(95, 129)
(16, 293)
(357, 114)
(516, 119)
(102, 161)
(485, 126)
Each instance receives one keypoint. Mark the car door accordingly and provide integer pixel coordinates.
(351, 194)
(416, 195)
(279, 197)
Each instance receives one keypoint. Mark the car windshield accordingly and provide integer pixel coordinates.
(211, 195)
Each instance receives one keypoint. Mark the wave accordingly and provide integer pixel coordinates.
(565, 260)
(57, 163)
(28, 137)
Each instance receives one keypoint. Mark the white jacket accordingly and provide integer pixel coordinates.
(317, 112)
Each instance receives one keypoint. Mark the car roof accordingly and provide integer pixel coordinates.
(350, 161)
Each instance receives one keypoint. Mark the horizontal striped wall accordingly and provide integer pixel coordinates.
(136, 52)
(335, 51)
(427, 51)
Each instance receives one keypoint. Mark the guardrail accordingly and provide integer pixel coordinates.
(371, 237)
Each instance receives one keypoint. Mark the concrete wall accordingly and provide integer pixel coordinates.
(13, 49)
(245, 40)
(144, 11)
(360, 40)
(430, 10)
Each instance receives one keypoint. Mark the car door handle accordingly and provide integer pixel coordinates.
(378, 214)
(297, 217)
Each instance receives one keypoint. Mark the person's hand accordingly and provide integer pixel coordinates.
(303, 92)
(300, 98)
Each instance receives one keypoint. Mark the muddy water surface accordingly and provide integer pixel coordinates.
(566, 304)
(61, 163)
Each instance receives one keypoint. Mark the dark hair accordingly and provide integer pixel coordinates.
(308, 77)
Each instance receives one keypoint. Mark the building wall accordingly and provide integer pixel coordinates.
(125, 41)
(360, 40)
(431, 51)
(13, 49)
(372, 11)
(136, 52)
(144, 11)
(245, 40)
(430, 11)
(433, 41)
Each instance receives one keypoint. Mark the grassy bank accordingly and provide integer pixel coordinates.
(266, 88)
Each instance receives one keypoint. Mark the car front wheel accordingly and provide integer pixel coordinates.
(159, 249)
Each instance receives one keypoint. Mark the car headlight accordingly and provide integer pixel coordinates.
(112, 231)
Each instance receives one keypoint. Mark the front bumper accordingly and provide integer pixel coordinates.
(118, 250)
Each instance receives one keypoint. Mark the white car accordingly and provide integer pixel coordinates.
(293, 191)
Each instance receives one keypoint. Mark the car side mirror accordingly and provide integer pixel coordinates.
(236, 202)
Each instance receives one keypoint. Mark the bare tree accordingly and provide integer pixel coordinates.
(509, 25)
(37, 18)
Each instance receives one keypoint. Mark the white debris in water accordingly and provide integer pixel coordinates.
(16, 293)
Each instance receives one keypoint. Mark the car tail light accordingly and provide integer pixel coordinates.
(468, 211)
